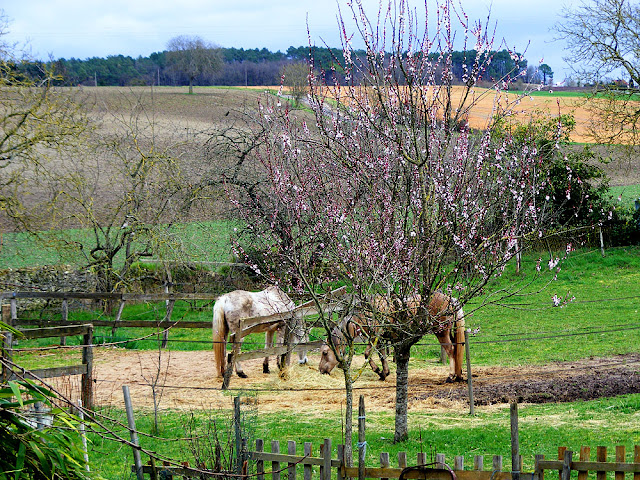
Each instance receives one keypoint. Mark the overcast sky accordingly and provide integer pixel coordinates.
(83, 29)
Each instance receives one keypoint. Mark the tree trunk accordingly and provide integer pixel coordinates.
(348, 419)
(402, 385)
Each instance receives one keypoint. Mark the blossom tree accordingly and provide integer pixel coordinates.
(386, 189)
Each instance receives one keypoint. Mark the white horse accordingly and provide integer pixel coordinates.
(232, 307)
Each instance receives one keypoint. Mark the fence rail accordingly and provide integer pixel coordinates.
(85, 369)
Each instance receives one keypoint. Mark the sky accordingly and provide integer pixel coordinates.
(83, 29)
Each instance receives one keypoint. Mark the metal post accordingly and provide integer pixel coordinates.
(133, 433)
(469, 379)
(515, 443)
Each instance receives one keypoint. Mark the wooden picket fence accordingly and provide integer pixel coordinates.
(275, 465)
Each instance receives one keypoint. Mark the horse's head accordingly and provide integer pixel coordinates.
(328, 359)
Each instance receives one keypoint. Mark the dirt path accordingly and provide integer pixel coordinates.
(190, 383)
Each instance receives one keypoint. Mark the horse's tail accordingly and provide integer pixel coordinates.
(220, 330)
(458, 343)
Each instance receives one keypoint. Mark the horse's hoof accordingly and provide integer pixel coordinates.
(453, 379)
(242, 375)
(265, 369)
(303, 362)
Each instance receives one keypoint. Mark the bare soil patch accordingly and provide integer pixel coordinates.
(190, 383)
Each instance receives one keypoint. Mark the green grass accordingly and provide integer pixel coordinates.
(542, 428)
(628, 194)
(203, 242)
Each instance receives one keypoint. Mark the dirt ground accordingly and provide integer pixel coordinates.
(190, 383)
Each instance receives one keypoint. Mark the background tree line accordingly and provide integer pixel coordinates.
(250, 67)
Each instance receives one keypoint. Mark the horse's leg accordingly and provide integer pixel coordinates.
(383, 353)
(444, 337)
(376, 369)
(458, 347)
(237, 347)
(268, 342)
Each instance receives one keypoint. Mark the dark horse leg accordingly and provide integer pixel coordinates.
(383, 372)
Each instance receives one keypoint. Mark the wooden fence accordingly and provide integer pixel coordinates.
(85, 368)
(275, 465)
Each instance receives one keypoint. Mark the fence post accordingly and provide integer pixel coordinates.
(515, 443)
(497, 463)
(326, 459)
(561, 451)
(601, 456)
(6, 353)
(341, 461)
(384, 463)
(14, 312)
(441, 460)
(307, 470)
(117, 319)
(83, 435)
(236, 426)
(620, 458)
(291, 450)
(636, 459)
(165, 332)
(458, 462)
(260, 463)
(275, 466)
(132, 432)
(469, 380)
(87, 359)
(478, 462)
(362, 442)
(585, 453)
(538, 472)
(65, 319)
(566, 465)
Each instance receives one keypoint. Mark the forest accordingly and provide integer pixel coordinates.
(250, 67)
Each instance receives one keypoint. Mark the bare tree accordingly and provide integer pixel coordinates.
(123, 185)
(603, 46)
(296, 79)
(193, 57)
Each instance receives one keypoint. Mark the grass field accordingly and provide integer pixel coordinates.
(602, 321)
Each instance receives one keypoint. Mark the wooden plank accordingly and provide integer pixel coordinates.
(601, 456)
(131, 297)
(307, 470)
(121, 323)
(260, 463)
(52, 372)
(585, 455)
(593, 466)
(267, 352)
(561, 451)
(620, 458)
(433, 475)
(291, 467)
(566, 465)
(284, 458)
(275, 464)
(636, 459)
(384, 462)
(47, 332)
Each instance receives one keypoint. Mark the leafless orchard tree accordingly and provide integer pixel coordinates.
(603, 47)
